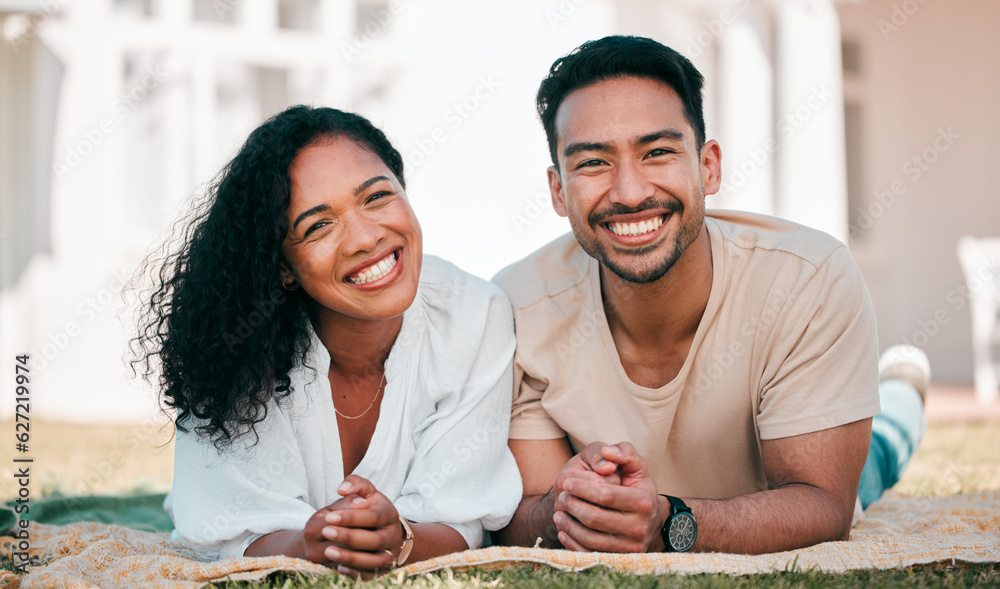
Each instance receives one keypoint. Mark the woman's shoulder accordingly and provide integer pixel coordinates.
(446, 287)
(461, 310)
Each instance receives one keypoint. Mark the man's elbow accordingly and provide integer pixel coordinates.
(841, 520)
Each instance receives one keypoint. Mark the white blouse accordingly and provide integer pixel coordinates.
(439, 451)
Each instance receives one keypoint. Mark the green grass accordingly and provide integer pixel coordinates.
(987, 575)
(953, 458)
(528, 577)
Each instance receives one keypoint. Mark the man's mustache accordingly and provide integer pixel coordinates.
(598, 217)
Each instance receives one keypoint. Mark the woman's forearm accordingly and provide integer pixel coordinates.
(283, 542)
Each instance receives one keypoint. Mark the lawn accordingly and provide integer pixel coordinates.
(80, 459)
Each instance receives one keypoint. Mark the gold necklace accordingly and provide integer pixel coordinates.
(365, 412)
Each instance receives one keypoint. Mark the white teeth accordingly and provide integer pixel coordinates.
(375, 271)
(640, 228)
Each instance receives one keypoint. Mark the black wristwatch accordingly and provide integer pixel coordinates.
(680, 530)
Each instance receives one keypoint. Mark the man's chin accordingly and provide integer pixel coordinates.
(636, 271)
(634, 276)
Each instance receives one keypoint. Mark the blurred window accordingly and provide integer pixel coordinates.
(371, 10)
(144, 8)
(217, 11)
(301, 15)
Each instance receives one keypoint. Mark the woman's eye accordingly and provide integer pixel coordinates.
(314, 227)
(377, 196)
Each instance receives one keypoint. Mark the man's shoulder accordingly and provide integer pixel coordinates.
(556, 267)
(752, 232)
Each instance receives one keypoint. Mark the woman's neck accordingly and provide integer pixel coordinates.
(357, 347)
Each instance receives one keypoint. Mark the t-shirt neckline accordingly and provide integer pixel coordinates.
(604, 331)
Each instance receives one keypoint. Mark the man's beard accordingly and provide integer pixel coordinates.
(656, 269)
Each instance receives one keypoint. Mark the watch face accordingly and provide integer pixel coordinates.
(683, 531)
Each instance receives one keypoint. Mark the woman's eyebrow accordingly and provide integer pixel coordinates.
(312, 211)
(364, 185)
(320, 208)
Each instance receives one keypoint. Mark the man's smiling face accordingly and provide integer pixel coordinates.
(631, 178)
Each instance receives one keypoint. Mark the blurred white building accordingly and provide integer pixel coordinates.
(113, 112)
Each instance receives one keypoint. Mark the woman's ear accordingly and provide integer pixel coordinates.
(288, 279)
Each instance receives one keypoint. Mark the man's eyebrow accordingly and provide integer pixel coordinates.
(575, 148)
(312, 211)
(581, 146)
(672, 134)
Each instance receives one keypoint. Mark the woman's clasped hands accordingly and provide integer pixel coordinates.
(359, 534)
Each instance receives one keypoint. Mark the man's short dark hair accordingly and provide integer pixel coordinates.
(616, 57)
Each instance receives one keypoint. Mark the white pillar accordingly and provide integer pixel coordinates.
(811, 177)
(746, 120)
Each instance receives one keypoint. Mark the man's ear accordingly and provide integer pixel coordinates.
(711, 166)
(556, 191)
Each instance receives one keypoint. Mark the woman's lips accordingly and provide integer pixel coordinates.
(376, 271)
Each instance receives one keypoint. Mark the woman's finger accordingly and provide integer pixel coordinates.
(358, 538)
(353, 484)
(359, 560)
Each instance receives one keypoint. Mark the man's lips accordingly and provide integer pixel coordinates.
(373, 271)
(635, 225)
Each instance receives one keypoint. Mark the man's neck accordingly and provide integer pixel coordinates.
(660, 318)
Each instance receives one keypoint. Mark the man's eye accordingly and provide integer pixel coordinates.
(659, 151)
(377, 196)
(589, 163)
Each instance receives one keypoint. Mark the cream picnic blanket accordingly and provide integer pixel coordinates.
(895, 532)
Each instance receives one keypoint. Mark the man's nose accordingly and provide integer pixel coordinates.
(630, 185)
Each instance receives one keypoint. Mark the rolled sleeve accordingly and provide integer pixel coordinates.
(828, 375)
(220, 504)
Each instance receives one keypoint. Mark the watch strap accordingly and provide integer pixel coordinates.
(407, 546)
(676, 506)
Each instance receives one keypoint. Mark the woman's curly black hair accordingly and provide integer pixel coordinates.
(219, 325)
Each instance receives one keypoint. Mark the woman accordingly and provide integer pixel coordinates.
(340, 397)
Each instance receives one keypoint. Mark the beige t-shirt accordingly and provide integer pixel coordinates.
(787, 346)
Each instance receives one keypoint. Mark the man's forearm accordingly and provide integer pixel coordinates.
(532, 520)
(789, 517)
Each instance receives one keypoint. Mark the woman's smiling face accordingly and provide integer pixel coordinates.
(353, 242)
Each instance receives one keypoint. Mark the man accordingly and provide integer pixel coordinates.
(732, 356)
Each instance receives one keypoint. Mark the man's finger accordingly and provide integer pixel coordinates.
(626, 458)
(589, 475)
(593, 458)
(590, 539)
(582, 538)
(614, 497)
(597, 518)
(569, 543)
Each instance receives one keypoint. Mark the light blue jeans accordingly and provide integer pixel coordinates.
(896, 434)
